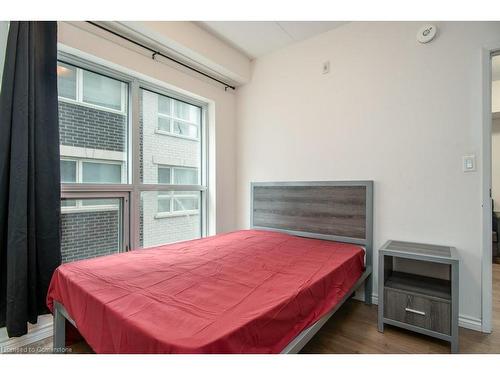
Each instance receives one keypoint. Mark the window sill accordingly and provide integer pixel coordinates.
(165, 215)
(163, 132)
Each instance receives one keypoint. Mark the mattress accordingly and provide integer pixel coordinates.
(248, 291)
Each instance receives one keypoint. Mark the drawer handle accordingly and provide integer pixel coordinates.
(407, 309)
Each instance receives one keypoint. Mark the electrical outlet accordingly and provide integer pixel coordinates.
(326, 67)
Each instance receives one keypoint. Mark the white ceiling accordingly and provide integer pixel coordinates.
(257, 38)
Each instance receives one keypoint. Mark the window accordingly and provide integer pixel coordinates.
(90, 88)
(81, 205)
(169, 203)
(178, 203)
(101, 173)
(93, 125)
(177, 117)
(177, 175)
(91, 171)
(164, 175)
(66, 81)
(172, 158)
(170, 216)
(91, 233)
(164, 203)
(167, 200)
(102, 91)
(68, 171)
(185, 203)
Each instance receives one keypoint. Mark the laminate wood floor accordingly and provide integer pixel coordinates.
(353, 329)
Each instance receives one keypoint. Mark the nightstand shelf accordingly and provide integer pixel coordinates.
(418, 289)
(422, 285)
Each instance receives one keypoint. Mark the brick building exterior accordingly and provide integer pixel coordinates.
(87, 127)
(89, 234)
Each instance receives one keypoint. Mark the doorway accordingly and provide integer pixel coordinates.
(495, 157)
(490, 284)
(495, 188)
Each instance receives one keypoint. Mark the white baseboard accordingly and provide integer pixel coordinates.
(36, 332)
(470, 322)
(464, 321)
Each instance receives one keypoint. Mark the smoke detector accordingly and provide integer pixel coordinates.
(426, 33)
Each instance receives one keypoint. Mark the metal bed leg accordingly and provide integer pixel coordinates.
(59, 338)
(368, 290)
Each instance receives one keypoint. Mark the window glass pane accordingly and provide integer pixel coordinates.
(164, 203)
(66, 81)
(68, 171)
(164, 124)
(101, 173)
(89, 233)
(88, 130)
(187, 130)
(164, 104)
(159, 225)
(159, 149)
(185, 203)
(164, 175)
(100, 203)
(184, 176)
(68, 203)
(102, 90)
(187, 112)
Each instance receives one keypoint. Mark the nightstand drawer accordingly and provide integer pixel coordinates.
(421, 311)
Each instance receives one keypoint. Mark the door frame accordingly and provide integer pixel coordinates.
(486, 245)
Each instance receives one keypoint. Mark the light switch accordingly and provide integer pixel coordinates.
(469, 163)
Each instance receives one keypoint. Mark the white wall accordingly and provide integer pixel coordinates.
(221, 122)
(390, 110)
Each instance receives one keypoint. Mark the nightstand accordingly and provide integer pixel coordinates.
(418, 289)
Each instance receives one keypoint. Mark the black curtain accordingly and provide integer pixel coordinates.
(29, 174)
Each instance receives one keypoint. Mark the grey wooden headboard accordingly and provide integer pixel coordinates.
(329, 210)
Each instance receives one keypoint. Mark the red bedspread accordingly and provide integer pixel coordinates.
(241, 292)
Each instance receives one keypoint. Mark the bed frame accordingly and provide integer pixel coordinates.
(339, 211)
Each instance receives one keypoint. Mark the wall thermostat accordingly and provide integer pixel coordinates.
(426, 33)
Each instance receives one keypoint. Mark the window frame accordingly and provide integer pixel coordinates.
(135, 187)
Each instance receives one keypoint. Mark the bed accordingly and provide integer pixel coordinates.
(264, 290)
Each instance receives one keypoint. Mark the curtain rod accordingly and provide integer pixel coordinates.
(156, 53)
